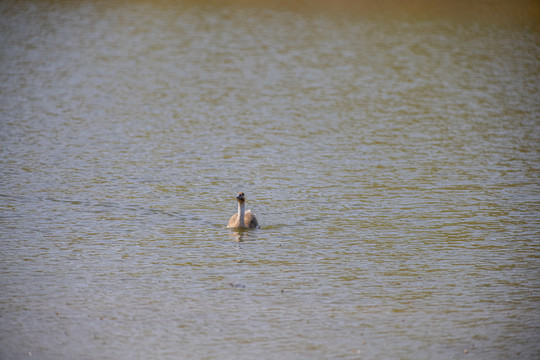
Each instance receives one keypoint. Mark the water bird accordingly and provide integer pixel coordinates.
(243, 218)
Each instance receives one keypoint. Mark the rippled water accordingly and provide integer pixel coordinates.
(393, 165)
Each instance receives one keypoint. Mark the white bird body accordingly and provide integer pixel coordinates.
(243, 218)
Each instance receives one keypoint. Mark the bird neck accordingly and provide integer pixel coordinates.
(241, 213)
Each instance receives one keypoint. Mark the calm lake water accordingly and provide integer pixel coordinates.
(393, 163)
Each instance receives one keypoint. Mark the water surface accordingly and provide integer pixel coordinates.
(393, 163)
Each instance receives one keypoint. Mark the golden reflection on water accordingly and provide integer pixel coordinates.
(490, 11)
